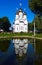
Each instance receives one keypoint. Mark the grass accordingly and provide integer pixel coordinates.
(16, 34)
(39, 35)
(7, 34)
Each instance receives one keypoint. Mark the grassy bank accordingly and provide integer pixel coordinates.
(19, 35)
(16, 34)
(38, 35)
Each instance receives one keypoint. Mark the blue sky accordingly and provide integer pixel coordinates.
(9, 8)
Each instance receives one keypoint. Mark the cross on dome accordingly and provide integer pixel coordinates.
(20, 4)
(20, 10)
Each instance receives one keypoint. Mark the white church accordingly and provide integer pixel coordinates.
(20, 23)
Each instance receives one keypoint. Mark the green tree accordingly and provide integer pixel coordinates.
(1, 22)
(36, 6)
(30, 26)
(5, 23)
(38, 22)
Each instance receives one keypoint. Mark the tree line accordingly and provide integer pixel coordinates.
(38, 24)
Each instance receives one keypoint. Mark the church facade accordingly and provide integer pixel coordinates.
(20, 23)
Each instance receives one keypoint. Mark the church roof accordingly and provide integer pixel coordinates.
(24, 13)
(20, 11)
(17, 13)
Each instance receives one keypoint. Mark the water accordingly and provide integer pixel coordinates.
(21, 52)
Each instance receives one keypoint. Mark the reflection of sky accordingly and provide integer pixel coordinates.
(30, 55)
(30, 50)
(9, 55)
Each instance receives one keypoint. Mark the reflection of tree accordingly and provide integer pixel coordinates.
(39, 47)
(34, 45)
(4, 44)
(38, 60)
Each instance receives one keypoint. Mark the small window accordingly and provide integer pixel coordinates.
(17, 28)
(21, 21)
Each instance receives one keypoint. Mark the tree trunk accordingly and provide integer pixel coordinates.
(34, 27)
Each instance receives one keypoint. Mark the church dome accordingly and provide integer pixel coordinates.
(24, 13)
(19, 11)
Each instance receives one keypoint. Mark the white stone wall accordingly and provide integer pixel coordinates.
(16, 28)
(20, 15)
(16, 18)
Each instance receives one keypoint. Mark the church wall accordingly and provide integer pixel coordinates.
(16, 22)
(16, 28)
(16, 17)
(21, 28)
(20, 15)
(25, 28)
(25, 17)
(26, 22)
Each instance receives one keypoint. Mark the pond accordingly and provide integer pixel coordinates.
(20, 52)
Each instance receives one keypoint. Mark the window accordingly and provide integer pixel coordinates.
(21, 21)
(17, 28)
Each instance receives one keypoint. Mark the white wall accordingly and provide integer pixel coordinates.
(20, 15)
(16, 17)
(21, 28)
(16, 28)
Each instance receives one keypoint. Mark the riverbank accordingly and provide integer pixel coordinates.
(20, 35)
(9, 37)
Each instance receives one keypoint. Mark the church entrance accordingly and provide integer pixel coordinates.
(21, 31)
(22, 28)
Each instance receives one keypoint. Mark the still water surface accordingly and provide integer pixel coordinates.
(20, 52)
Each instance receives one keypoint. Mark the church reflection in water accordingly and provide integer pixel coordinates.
(20, 46)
